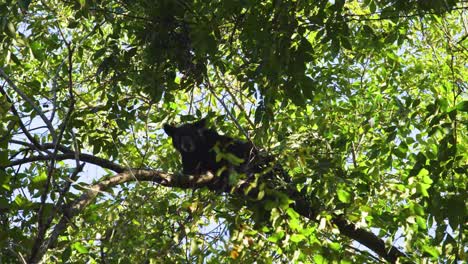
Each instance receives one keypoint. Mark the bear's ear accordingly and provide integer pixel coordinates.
(200, 123)
(169, 129)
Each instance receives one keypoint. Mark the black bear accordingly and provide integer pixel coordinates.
(204, 150)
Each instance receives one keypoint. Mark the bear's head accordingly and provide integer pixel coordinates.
(188, 138)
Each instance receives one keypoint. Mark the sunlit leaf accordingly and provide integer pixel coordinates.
(296, 238)
(421, 222)
(463, 106)
(344, 196)
(80, 248)
(431, 250)
(276, 236)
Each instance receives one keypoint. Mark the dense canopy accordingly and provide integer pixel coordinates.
(360, 105)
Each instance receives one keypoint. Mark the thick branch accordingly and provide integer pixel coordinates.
(368, 239)
(365, 237)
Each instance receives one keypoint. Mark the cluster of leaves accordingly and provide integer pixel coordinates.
(363, 103)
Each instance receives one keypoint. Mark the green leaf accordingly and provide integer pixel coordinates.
(456, 210)
(5, 180)
(39, 180)
(292, 213)
(135, 222)
(10, 30)
(424, 174)
(344, 196)
(21, 202)
(295, 224)
(417, 209)
(432, 251)
(391, 136)
(297, 238)
(73, 24)
(372, 7)
(421, 222)
(4, 203)
(80, 248)
(399, 153)
(422, 189)
(463, 106)
(345, 43)
(35, 84)
(4, 161)
(96, 147)
(335, 47)
(233, 158)
(261, 194)
(66, 254)
(335, 246)
(276, 237)
(99, 53)
(319, 259)
(37, 50)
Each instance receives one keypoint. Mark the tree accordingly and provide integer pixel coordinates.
(362, 104)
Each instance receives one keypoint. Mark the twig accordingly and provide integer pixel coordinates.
(29, 101)
(143, 158)
(353, 153)
(35, 144)
(363, 252)
(208, 84)
(234, 99)
(43, 147)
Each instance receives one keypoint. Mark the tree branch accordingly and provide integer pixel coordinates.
(368, 239)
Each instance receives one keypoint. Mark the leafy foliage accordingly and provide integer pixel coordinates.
(362, 103)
